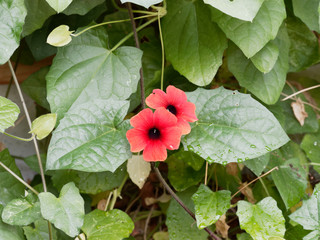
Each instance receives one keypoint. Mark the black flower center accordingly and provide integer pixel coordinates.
(154, 133)
(172, 109)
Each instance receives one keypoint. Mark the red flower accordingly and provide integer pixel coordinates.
(155, 133)
(175, 100)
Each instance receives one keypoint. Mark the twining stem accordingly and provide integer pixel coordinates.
(15, 70)
(172, 193)
(307, 103)
(34, 139)
(19, 178)
(20, 138)
(301, 91)
(275, 168)
(117, 192)
(162, 51)
(138, 46)
(206, 174)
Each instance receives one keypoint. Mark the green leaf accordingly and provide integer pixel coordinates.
(35, 87)
(8, 232)
(92, 70)
(22, 211)
(251, 37)
(266, 87)
(266, 58)
(257, 165)
(90, 183)
(40, 231)
(81, 7)
(91, 137)
(290, 179)
(295, 232)
(111, 225)
(180, 225)
(10, 188)
(181, 174)
(32, 162)
(232, 127)
(304, 48)
(38, 11)
(9, 113)
(244, 236)
(60, 36)
(43, 125)
(144, 3)
(311, 145)
(244, 9)
(59, 5)
(65, 212)
(308, 214)
(12, 19)
(193, 43)
(210, 206)
(308, 12)
(314, 235)
(263, 220)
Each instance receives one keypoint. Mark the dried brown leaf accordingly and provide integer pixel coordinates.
(247, 191)
(299, 111)
(222, 227)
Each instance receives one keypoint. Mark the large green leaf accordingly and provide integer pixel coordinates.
(40, 231)
(86, 69)
(257, 165)
(244, 9)
(22, 211)
(81, 7)
(111, 225)
(266, 87)
(12, 14)
(38, 12)
(9, 113)
(263, 220)
(311, 145)
(59, 5)
(10, 188)
(8, 232)
(251, 37)
(91, 137)
(308, 214)
(35, 87)
(304, 47)
(193, 43)
(232, 127)
(90, 183)
(180, 225)
(210, 206)
(182, 172)
(295, 232)
(308, 12)
(290, 179)
(65, 212)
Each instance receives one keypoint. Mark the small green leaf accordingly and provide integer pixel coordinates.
(8, 232)
(311, 145)
(180, 225)
(9, 113)
(266, 87)
(22, 211)
(144, 3)
(138, 170)
(257, 165)
(43, 125)
(266, 58)
(263, 220)
(295, 232)
(232, 127)
(308, 12)
(81, 7)
(65, 212)
(40, 231)
(10, 188)
(111, 225)
(244, 236)
(244, 9)
(308, 214)
(91, 137)
(60, 36)
(59, 5)
(197, 52)
(251, 37)
(181, 174)
(210, 206)
(12, 19)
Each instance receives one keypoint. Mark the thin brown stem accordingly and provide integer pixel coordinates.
(206, 174)
(147, 223)
(138, 46)
(172, 193)
(15, 70)
(301, 91)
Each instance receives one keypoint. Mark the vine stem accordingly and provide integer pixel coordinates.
(162, 51)
(172, 193)
(19, 138)
(301, 91)
(34, 139)
(18, 178)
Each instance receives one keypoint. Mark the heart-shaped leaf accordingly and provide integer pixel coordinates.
(9, 113)
(86, 69)
(91, 137)
(60, 36)
(144, 3)
(232, 127)
(40, 231)
(59, 5)
(308, 12)
(43, 125)
(65, 212)
(138, 170)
